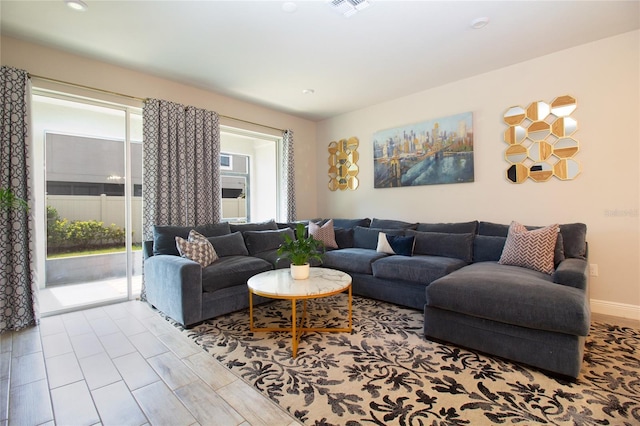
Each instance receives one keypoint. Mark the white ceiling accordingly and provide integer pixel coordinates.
(254, 51)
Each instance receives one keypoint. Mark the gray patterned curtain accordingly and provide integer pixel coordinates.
(288, 196)
(18, 290)
(181, 166)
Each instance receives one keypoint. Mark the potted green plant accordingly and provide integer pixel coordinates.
(299, 251)
(9, 201)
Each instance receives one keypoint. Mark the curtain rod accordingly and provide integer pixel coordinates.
(135, 98)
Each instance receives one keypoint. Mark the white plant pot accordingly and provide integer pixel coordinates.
(300, 272)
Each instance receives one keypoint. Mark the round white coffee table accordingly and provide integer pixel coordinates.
(278, 284)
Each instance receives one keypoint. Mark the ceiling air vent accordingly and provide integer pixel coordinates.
(349, 7)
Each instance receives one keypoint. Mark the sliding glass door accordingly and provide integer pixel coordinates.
(91, 189)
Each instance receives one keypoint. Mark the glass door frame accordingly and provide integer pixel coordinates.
(40, 193)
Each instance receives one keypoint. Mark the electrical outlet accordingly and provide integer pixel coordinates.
(593, 269)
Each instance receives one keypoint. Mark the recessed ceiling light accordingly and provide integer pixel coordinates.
(78, 5)
(478, 23)
(289, 7)
(308, 91)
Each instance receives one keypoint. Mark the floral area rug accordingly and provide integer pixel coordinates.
(386, 373)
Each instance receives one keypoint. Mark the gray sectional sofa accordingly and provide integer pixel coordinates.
(453, 274)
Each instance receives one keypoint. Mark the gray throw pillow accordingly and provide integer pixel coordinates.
(368, 237)
(261, 241)
(229, 245)
(459, 246)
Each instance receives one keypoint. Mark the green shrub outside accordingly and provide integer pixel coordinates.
(64, 235)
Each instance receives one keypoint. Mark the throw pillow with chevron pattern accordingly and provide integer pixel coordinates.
(197, 248)
(530, 249)
(325, 233)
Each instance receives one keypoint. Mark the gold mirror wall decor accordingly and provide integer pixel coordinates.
(541, 141)
(343, 164)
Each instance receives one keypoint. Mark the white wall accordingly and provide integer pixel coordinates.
(604, 78)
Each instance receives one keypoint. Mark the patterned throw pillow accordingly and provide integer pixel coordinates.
(530, 249)
(197, 248)
(395, 244)
(325, 233)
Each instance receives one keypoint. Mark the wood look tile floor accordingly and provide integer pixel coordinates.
(121, 364)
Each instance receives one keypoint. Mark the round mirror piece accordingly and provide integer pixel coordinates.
(333, 184)
(540, 172)
(516, 154)
(517, 173)
(353, 143)
(565, 148)
(514, 115)
(563, 106)
(566, 169)
(333, 147)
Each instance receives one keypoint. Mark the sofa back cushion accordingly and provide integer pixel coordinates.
(164, 236)
(344, 237)
(261, 241)
(450, 228)
(573, 243)
(347, 223)
(367, 238)
(229, 245)
(258, 226)
(458, 246)
(392, 224)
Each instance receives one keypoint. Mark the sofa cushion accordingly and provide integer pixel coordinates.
(395, 244)
(392, 224)
(574, 237)
(367, 238)
(357, 260)
(512, 295)
(258, 226)
(487, 248)
(196, 248)
(459, 246)
(164, 236)
(229, 245)
(231, 271)
(325, 233)
(419, 268)
(530, 249)
(344, 237)
(450, 228)
(349, 223)
(259, 241)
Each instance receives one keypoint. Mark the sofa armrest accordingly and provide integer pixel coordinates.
(572, 272)
(173, 284)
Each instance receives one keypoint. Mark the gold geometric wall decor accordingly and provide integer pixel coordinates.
(541, 141)
(343, 167)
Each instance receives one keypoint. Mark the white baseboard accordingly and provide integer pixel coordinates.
(615, 309)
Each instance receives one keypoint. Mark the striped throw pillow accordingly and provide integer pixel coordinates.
(530, 249)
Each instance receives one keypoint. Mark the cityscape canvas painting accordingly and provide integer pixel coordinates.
(429, 153)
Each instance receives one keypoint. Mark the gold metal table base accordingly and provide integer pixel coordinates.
(298, 329)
